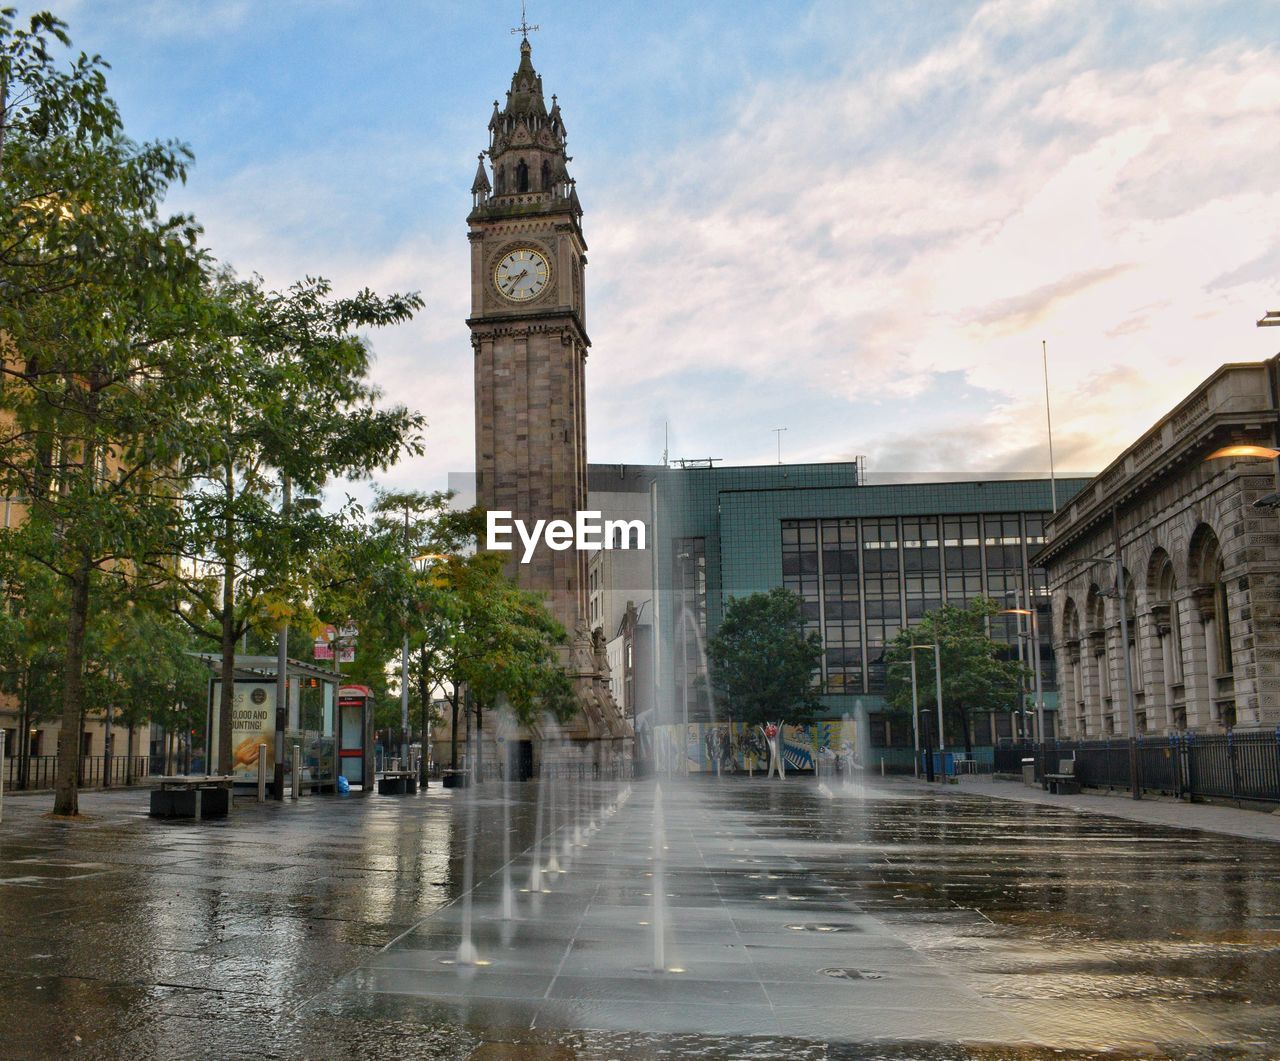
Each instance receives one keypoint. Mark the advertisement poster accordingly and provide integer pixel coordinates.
(253, 722)
(697, 747)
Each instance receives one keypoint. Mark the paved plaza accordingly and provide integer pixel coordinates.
(799, 921)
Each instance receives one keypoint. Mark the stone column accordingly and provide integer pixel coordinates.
(1095, 662)
(1196, 657)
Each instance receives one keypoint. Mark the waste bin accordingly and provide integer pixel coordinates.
(1029, 772)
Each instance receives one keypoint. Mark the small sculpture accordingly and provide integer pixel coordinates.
(773, 740)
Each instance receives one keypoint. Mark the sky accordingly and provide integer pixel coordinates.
(857, 221)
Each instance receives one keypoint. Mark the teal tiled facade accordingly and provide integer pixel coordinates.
(719, 535)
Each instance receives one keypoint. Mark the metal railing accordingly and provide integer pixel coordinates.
(41, 771)
(1239, 765)
(574, 771)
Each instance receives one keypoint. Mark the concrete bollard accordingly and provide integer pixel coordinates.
(297, 771)
(262, 773)
(882, 766)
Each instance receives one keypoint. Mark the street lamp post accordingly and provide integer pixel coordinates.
(936, 648)
(1033, 636)
(282, 661)
(937, 680)
(404, 669)
(420, 564)
(915, 718)
(282, 642)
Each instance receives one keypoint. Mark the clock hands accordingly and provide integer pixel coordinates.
(514, 280)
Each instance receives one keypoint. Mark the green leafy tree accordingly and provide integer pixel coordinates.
(975, 677)
(411, 570)
(32, 623)
(289, 406)
(762, 660)
(97, 321)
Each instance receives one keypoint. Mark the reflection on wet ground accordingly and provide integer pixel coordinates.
(931, 925)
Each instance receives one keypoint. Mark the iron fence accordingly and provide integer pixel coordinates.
(1239, 765)
(568, 771)
(41, 771)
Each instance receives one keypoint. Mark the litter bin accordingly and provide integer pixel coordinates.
(1029, 772)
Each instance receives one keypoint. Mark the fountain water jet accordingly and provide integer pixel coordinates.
(535, 871)
(466, 949)
(553, 863)
(659, 885)
(508, 894)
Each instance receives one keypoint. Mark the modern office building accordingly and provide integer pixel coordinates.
(868, 560)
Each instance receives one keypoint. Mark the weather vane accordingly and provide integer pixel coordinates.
(524, 29)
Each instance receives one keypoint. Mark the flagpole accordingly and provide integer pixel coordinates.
(1048, 416)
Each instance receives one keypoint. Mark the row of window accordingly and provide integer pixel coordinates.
(871, 577)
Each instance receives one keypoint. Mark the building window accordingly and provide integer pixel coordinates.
(689, 562)
(820, 565)
(882, 595)
(922, 566)
(962, 554)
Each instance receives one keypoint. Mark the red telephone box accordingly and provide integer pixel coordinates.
(355, 735)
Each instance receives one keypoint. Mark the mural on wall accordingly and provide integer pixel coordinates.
(698, 747)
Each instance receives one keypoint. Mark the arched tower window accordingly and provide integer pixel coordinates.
(522, 177)
(546, 175)
(500, 181)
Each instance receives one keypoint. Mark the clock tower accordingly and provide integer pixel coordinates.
(529, 339)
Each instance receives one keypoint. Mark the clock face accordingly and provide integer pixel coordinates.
(522, 274)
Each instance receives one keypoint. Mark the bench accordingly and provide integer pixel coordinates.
(397, 783)
(207, 796)
(1064, 782)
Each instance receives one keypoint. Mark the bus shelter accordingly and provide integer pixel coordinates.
(310, 720)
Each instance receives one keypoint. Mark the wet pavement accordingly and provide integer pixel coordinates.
(799, 922)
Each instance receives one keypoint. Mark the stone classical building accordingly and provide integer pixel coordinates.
(1201, 567)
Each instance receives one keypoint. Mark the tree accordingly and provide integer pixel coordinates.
(763, 662)
(97, 321)
(289, 405)
(974, 676)
(467, 625)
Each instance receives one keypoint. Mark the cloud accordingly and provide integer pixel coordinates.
(869, 254)
(839, 242)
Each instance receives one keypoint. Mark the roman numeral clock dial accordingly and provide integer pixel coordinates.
(521, 275)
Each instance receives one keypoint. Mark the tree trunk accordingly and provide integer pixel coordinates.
(453, 731)
(967, 730)
(479, 741)
(222, 763)
(128, 763)
(24, 733)
(424, 698)
(67, 790)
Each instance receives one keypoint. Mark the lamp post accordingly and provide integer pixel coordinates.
(1033, 636)
(287, 505)
(936, 648)
(915, 718)
(420, 564)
